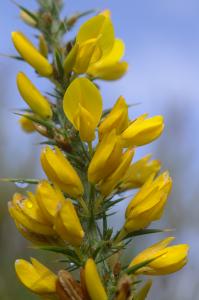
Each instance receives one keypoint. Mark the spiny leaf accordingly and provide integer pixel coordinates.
(146, 231)
(32, 15)
(138, 266)
(21, 180)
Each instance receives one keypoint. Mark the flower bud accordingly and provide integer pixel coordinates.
(36, 277)
(28, 19)
(83, 107)
(33, 97)
(165, 260)
(137, 174)
(67, 224)
(26, 124)
(143, 131)
(30, 54)
(106, 159)
(148, 204)
(93, 282)
(117, 119)
(61, 172)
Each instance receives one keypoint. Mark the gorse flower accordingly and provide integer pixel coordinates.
(148, 204)
(36, 277)
(83, 107)
(60, 171)
(138, 172)
(88, 159)
(165, 260)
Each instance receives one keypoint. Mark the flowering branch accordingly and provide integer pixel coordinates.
(87, 159)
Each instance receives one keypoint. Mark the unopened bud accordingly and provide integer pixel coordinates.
(43, 47)
(28, 19)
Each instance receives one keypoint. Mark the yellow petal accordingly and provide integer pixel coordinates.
(26, 212)
(61, 172)
(67, 224)
(98, 27)
(87, 53)
(36, 276)
(110, 67)
(27, 50)
(33, 97)
(165, 260)
(139, 172)
(93, 282)
(107, 186)
(106, 158)
(149, 252)
(48, 199)
(86, 124)
(82, 93)
(143, 131)
(117, 119)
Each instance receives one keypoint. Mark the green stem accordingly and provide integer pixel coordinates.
(84, 206)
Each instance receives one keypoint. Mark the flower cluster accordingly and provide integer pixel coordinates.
(88, 163)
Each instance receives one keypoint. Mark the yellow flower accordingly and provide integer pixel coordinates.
(93, 282)
(94, 40)
(108, 184)
(26, 212)
(143, 131)
(36, 277)
(110, 67)
(61, 172)
(148, 204)
(30, 54)
(117, 119)
(26, 124)
(139, 172)
(48, 199)
(166, 259)
(106, 159)
(83, 107)
(67, 224)
(33, 97)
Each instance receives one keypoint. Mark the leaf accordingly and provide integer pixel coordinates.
(146, 231)
(20, 180)
(32, 15)
(12, 56)
(62, 250)
(136, 267)
(58, 62)
(33, 118)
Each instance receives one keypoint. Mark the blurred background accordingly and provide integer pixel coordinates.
(162, 48)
